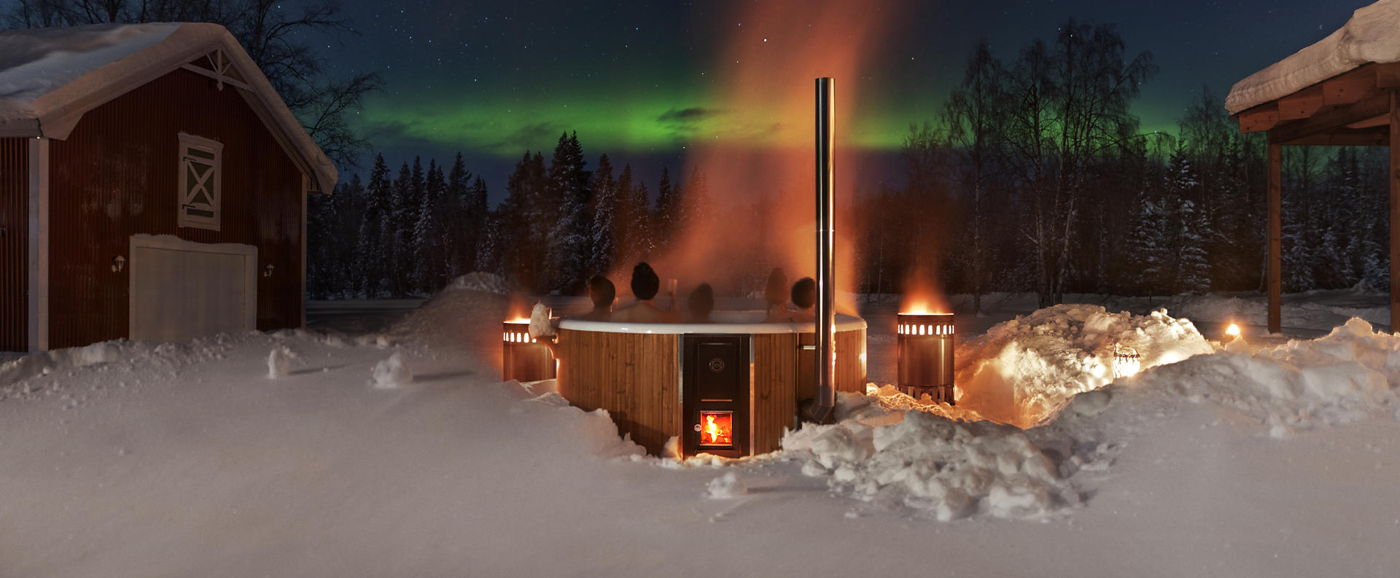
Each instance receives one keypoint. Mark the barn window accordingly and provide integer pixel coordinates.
(200, 165)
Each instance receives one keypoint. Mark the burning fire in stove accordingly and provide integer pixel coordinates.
(523, 358)
(717, 428)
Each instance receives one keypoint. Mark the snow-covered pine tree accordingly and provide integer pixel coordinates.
(568, 247)
(664, 218)
(398, 233)
(1193, 264)
(1187, 263)
(605, 208)
(370, 253)
(1148, 246)
(456, 254)
(429, 274)
(629, 215)
(478, 213)
(1299, 224)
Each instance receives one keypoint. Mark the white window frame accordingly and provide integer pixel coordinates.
(211, 185)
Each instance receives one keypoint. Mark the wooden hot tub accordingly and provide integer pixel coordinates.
(658, 380)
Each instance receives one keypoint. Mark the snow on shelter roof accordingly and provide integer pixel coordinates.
(49, 77)
(1371, 35)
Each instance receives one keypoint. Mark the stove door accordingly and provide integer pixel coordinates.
(716, 383)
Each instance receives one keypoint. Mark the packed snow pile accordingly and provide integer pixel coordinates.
(483, 282)
(1369, 36)
(458, 316)
(279, 362)
(952, 470)
(1022, 371)
(1351, 373)
(725, 487)
(392, 372)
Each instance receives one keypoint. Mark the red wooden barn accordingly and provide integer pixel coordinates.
(152, 186)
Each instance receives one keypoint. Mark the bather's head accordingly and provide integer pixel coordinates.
(602, 292)
(804, 293)
(645, 283)
(701, 302)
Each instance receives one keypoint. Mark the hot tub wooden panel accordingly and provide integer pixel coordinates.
(635, 377)
(774, 389)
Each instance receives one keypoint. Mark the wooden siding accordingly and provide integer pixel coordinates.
(775, 377)
(636, 379)
(14, 244)
(633, 376)
(117, 175)
(850, 368)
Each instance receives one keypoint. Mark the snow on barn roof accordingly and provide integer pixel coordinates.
(50, 77)
(1371, 35)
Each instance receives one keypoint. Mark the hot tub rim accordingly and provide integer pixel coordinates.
(843, 323)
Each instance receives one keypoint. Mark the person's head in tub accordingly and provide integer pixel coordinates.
(602, 292)
(804, 297)
(645, 284)
(701, 303)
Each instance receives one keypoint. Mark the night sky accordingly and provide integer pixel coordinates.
(635, 79)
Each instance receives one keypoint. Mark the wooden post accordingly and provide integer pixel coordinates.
(1394, 212)
(1276, 237)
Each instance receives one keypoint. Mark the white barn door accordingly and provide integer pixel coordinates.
(181, 290)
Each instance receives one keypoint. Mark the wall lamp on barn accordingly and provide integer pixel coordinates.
(118, 263)
(267, 271)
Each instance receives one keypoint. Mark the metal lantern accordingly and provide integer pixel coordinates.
(523, 357)
(926, 355)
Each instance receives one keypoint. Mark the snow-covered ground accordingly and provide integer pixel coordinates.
(312, 454)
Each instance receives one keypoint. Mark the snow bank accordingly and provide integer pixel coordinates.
(725, 487)
(1351, 373)
(951, 470)
(279, 362)
(483, 282)
(392, 372)
(1022, 371)
(1369, 36)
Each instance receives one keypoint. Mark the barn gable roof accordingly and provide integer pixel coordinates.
(50, 77)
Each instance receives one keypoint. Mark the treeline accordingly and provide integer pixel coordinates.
(1036, 178)
(560, 223)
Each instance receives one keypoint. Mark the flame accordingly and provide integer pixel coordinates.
(718, 430)
(1233, 331)
(922, 294)
(755, 152)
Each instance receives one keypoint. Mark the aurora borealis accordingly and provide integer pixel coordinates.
(638, 79)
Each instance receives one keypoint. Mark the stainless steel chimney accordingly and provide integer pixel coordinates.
(822, 410)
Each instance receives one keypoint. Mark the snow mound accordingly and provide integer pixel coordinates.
(1351, 373)
(392, 372)
(459, 317)
(483, 282)
(725, 487)
(279, 362)
(951, 470)
(1021, 372)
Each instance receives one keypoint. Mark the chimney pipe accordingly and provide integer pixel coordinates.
(823, 409)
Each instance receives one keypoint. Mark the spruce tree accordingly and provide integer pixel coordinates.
(371, 249)
(568, 247)
(398, 233)
(603, 249)
(429, 274)
(1148, 246)
(664, 217)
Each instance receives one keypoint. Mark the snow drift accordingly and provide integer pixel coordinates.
(1022, 371)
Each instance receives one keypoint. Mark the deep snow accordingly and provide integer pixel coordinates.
(128, 459)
